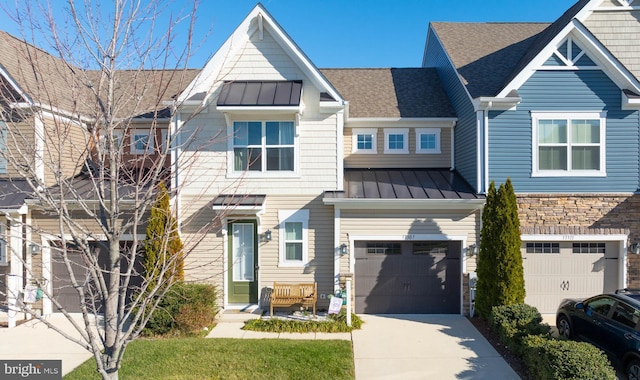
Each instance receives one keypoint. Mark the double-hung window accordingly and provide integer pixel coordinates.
(364, 140)
(569, 144)
(294, 237)
(141, 141)
(428, 140)
(396, 140)
(263, 146)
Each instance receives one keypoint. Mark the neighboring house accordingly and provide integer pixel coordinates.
(47, 125)
(555, 108)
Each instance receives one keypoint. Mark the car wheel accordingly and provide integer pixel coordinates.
(633, 369)
(564, 327)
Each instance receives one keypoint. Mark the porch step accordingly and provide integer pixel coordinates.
(239, 314)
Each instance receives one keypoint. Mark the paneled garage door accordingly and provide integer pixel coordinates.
(557, 270)
(400, 277)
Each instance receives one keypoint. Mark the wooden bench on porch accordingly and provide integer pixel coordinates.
(286, 295)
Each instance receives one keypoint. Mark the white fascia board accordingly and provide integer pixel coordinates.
(599, 53)
(260, 109)
(572, 237)
(241, 209)
(496, 103)
(630, 103)
(405, 204)
(14, 84)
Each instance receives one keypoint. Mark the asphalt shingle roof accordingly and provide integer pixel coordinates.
(391, 92)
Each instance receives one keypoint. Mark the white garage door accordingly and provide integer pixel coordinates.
(557, 270)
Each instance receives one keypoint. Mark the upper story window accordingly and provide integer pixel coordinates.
(396, 140)
(365, 140)
(569, 144)
(142, 141)
(263, 146)
(428, 140)
(294, 237)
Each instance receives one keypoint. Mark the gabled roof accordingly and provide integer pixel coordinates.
(492, 59)
(32, 75)
(486, 54)
(392, 93)
(257, 21)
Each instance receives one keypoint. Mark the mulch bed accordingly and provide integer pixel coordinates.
(515, 362)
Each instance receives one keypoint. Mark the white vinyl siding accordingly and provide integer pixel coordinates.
(3, 244)
(569, 144)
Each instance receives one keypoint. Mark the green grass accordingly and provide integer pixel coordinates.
(197, 358)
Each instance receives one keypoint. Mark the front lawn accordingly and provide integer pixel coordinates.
(197, 358)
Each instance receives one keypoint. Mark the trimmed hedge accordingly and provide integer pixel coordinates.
(521, 330)
(186, 309)
(549, 359)
(513, 322)
(337, 323)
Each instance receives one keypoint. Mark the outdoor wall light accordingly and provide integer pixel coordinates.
(34, 249)
(635, 248)
(473, 250)
(266, 236)
(343, 249)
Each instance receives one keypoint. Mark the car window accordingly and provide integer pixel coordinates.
(601, 305)
(626, 315)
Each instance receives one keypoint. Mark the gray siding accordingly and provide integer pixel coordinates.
(466, 128)
(510, 133)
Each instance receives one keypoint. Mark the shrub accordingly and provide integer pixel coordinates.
(549, 359)
(514, 322)
(186, 308)
(337, 323)
(499, 267)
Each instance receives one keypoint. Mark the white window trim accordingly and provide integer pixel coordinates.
(428, 131)
(536, 116)
(364, 131)
(3, 244)
(285, 216)
(396, 131)
(263, 173)
(132, 142)
(164, 135)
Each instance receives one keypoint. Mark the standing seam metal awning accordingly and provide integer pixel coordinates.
(260, 93)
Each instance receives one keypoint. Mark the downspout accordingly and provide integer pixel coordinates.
(486, 148)
(453, 146)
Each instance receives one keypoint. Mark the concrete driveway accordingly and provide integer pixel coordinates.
(425, 347)
(33, 340)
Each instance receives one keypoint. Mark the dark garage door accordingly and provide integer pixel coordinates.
(407, 277)
(63, 289)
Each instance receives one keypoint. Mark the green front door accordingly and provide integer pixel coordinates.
(243, 262)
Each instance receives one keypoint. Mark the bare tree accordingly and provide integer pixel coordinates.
(87, 137)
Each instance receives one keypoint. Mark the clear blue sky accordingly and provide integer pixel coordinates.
(367, 33)
(347, 33)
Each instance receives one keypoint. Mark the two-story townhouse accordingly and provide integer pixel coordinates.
(555, 108)
(312, 175)
(48, 125)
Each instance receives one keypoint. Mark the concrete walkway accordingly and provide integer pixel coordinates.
(425, 347)
(402, 347)
(33, 340)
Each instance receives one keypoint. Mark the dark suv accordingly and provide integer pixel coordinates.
(608, 321)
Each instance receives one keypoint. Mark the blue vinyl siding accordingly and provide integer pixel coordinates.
(510, 133)
(466, 127)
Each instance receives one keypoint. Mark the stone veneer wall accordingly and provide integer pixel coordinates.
(562, 212)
